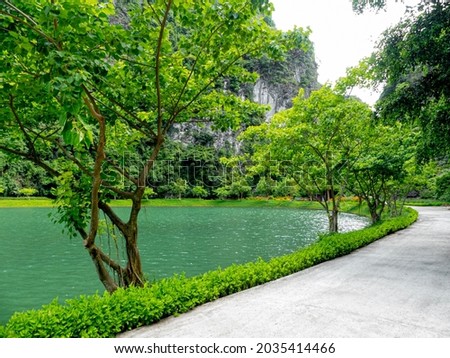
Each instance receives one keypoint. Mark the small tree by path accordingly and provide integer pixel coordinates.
(314, 143)
(385, 169)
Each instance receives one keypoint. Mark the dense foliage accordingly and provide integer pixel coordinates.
(414, 62)
(91, 102)
(412, 65)
(126, 309)
(193, 151)
(330, 147)
(312, 143)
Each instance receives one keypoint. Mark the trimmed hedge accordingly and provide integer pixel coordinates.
(108, 315)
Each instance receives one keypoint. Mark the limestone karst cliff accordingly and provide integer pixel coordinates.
(277, 84)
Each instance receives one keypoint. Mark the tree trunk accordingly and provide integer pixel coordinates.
(331, 196)
(333, 221)
(89, 240)
(375, 217)
(375, 214)
(134, 275)
(103, 274)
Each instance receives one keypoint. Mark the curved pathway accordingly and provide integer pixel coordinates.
(398, 286)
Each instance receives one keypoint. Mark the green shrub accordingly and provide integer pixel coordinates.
(223, 192)
(443, 187)
(148, 193)
(27, 191)
(199, 192)
(107, 315)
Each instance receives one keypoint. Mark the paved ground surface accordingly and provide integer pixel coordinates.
(396, 287)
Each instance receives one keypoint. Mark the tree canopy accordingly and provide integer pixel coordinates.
(412, 63)
(314, 143)
(81, 94)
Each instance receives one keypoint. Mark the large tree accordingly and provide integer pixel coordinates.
(314, 143)
(412, 63)
(80, 95)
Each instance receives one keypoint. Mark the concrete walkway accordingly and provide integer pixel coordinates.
(396, 287)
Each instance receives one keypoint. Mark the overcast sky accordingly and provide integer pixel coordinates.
(341, 38)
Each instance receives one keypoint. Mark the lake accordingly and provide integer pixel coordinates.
(39, 263)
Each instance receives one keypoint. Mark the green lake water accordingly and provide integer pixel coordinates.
(39, 263)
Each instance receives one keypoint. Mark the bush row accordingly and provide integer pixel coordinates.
(108, 315)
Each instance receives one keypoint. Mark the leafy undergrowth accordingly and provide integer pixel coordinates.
(108, 315)
(427, 202)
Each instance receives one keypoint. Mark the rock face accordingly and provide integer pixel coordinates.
(278, 83)
(264, 94)
(189, 133)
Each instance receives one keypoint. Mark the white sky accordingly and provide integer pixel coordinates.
(341, 38)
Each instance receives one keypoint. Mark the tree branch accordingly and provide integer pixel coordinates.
(113, 216)
(122, 193)
(154, 12)
(123, 172)
(183, 90)
(52, 172)
(72, 158)
(30, 143)
(96, 175)
(144, 126)
(33, 26)
(158, 64)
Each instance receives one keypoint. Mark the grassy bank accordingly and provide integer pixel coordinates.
(346, 205)
(25, 203)
(45, 202)
(245, 203)
(108, 315)
(426, 202)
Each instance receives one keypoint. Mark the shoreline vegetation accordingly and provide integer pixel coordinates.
(109, 315)
(350, 205)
